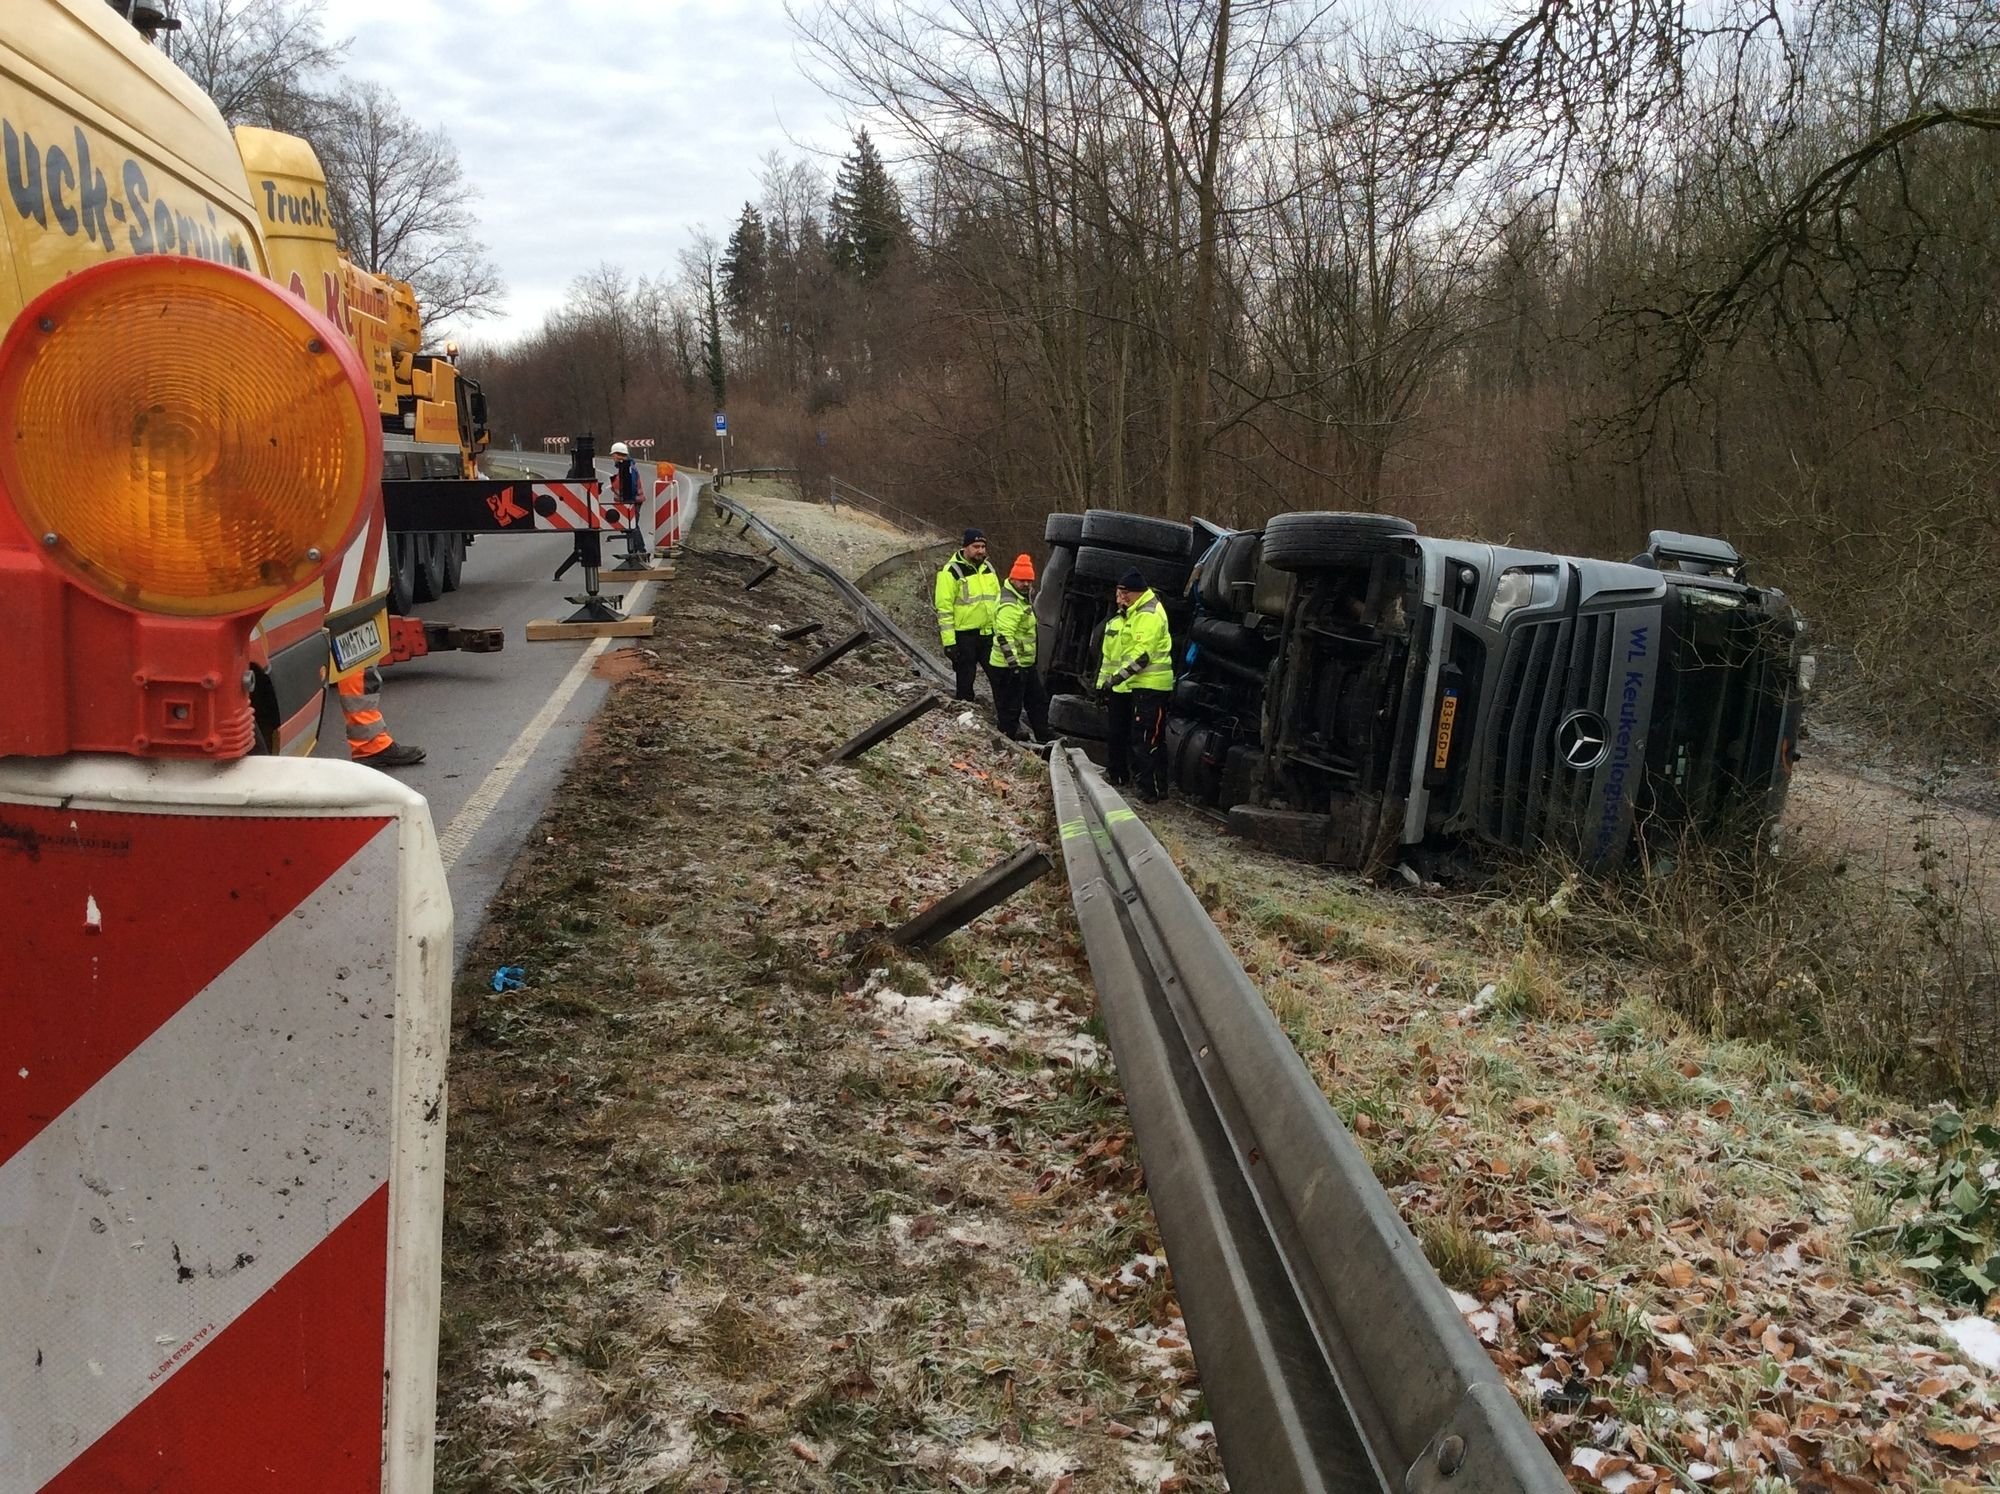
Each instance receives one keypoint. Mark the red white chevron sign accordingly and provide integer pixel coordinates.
(200, 1013)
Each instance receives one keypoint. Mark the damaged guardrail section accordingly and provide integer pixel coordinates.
(872, 617)
(1330, 1354)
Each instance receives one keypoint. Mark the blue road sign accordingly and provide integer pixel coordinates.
(721, 422)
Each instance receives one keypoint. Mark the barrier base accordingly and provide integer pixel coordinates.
(547, 630)
(642, 573)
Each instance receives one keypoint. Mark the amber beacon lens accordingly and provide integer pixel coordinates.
(183, 438)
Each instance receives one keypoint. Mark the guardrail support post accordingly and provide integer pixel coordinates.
(987, 890)
(839, 650)
(797, 631)
(762, 576)
(884, 729)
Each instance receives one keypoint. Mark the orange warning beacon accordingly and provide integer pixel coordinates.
(181, 445)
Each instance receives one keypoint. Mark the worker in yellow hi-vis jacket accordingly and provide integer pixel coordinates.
(1138, 673)
(967, 594)
(1011, 665)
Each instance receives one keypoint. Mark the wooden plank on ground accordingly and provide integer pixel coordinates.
(544, 630)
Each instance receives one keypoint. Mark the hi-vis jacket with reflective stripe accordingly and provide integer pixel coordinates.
(1013, 631)
(1138, 649)
(967, 593)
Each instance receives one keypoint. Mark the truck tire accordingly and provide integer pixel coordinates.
(1109, 529)
(1289, 832)
(1077, 716)
(402, 573)
(430, 566)
(452, 553)
(1324, 541)
(1064, 529)
(1164, 576)
(1198, 774)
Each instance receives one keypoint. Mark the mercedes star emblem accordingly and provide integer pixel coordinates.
(1583, 739)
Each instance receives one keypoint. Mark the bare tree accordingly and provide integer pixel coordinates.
(402, 205)
(260, 60)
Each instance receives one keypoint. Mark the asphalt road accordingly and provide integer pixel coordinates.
(499, 728)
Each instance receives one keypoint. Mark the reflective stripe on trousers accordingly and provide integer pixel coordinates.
(361, 704)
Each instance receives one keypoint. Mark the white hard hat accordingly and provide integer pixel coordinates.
(618, 448)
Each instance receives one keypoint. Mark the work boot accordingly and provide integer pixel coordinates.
(396, 755)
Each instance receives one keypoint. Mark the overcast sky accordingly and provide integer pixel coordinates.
(597, 129)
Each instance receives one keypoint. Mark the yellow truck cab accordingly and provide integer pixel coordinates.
(110, 151)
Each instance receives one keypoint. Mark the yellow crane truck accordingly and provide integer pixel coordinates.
(109, 151)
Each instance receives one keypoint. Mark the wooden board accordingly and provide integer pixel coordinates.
(542, 630)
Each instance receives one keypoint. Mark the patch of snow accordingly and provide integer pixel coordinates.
(982, 1035)
(1479, 1004)
(1147, 1471)
(989, 1456)
(1197, 1436)
(1077, 1049)
(1978, 1339)
(676, 1457)
(535, 1388)
(919, 1013)
(1876, 1151)
(968, 718)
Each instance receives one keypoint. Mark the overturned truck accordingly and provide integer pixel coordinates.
(1350, 691)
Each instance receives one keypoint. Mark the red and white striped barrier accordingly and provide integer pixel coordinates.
(222, 1065)
(676, 503)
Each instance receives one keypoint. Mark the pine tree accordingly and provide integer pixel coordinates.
(865, 221)
(746, 269)
(711, 350)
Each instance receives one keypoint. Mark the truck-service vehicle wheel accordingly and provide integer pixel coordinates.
(402, 573)
(451, 553)
(430, 565)
(1320, 541)
(1111, 530)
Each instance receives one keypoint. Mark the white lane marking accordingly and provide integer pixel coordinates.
(474, 813)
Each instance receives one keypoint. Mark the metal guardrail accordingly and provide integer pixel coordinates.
(1331, 1356)
(871, 616)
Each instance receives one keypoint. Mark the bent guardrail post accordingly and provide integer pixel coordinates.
(989, 889)
(882, 730)
(761, 577)
(877, 621)
(1330, 1354)
(837, 651)
(797, 631)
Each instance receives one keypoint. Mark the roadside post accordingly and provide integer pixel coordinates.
(227, 991)
(721, 445)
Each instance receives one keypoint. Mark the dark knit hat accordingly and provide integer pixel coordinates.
(973, 534)
(1132, 581)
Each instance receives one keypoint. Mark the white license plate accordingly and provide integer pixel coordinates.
(357, 643)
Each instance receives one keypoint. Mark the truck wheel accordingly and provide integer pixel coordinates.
(1111, 530)
(1064, 529)
(1164, 576)
(430, 568)
(451, 554)
(1322, 541)
(1076, 716)
(402, 573)
(1289, 832)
